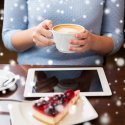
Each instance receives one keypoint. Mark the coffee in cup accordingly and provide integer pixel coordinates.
(63, 33)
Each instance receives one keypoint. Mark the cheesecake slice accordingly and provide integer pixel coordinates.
(53, 110)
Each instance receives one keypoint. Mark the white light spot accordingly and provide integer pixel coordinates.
(59, 108)
(70, 7)
(121, 21)
(4, 91)
(73, 20)
(118, 103)
(62, 11)
(113, 1)
(116, 112)
(22, 7)
(84, 16)
(10, 106)
(87, 2)
(48, 6)
(97, 62)
(72, 109)
(117, 31)
(11, 19)
(105, 119)
(15, 4)
(6, 67)
(58, 11)
(12, 62)
(116, 81)
(117, 5)
(44, 10)
(37, 9)
(87, 123)
(50, 62)
(120, 62)
(108, 104)
(1, 53)
(107, 11)
(25, 19)
(114, 92)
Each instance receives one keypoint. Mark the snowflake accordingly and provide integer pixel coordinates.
(116, 112)
(22, 7)
(97, 62)
(50, 62)
(11, 19)
(120, 62)
(116, 81)
(48, 6)
(87, 123)
(1, 53)
(61, 2)
(70, 7)
(117, 5)
(38, 9)
(4, 92)
(107, 11)
(117, 31)
(118, 103)
(39, 18)
(22, 81)
(15, 4)
(12, 62)
(25, 19)
(124, 45)
(6, 67)
(121, 21)
(10, 106)
(113, 1)
(73, 20)
(87, 2)
(105, 119)
(108, 104)
(13, 88)
(84, 16)
(114, 92)
(102, 3)
(62, 12)
(44, 11)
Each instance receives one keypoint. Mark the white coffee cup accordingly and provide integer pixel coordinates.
(63, 34)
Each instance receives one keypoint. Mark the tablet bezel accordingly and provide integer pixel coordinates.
(103, 80)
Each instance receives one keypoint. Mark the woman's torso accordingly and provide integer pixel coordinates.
(87, 13)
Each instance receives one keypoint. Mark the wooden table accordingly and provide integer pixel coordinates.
(111, 110)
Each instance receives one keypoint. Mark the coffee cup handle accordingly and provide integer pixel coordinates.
(52, 36)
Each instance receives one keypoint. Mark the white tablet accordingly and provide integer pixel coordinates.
(91, 81)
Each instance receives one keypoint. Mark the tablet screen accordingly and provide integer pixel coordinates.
(61, 80)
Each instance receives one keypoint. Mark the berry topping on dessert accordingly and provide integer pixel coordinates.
(55, 106)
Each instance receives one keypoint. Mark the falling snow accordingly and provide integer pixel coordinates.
(105, 119)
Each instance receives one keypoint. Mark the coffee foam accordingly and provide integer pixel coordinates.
(68, 29)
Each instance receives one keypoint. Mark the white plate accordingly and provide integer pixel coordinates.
(5, 75)
(21, 113)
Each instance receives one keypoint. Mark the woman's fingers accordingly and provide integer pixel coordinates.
(78, 42)
(41, 41)
(47, 24)
(44, 32)
(79, 49)
(83, 35)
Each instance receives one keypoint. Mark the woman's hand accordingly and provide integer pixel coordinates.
(88, 41)
(84, 42)
(41, 35)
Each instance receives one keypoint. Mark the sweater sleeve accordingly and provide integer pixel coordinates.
(112, 25)
(15, 19)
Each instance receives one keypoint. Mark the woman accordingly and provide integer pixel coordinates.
(27, 24)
